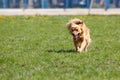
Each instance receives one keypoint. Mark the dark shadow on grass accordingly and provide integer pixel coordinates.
(61, 51)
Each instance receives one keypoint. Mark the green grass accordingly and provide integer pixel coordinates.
(41, 48)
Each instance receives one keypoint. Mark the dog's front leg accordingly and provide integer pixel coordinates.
(76, 46)
(82, 46)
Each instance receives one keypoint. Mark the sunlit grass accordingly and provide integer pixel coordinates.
(41, 48)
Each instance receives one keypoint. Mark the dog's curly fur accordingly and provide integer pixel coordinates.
(80, 33)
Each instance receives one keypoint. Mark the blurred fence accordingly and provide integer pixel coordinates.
(45, 4)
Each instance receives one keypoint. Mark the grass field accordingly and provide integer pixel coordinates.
(40, 48)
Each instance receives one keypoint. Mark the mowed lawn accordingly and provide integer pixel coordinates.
(41, 48)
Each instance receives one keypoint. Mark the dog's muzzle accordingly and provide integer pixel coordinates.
(76, 36)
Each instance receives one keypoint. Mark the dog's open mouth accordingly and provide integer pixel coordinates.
(75, 37)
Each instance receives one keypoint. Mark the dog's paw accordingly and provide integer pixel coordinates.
(79, 51)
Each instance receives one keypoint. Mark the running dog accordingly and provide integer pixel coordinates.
(80, 33)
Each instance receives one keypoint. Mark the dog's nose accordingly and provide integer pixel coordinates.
(78, 34)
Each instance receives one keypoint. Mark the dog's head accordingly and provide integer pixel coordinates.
(75, 27)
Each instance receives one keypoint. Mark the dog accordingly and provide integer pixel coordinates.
(80, 33)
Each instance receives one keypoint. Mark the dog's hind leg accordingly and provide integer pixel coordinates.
(87, 44)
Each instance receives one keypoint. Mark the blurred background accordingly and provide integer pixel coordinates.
(46, 4)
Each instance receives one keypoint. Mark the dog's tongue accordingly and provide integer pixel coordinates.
(75, 37)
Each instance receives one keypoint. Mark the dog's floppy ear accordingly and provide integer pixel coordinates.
(68, 25)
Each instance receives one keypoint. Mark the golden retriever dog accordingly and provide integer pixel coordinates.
(80, 33)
